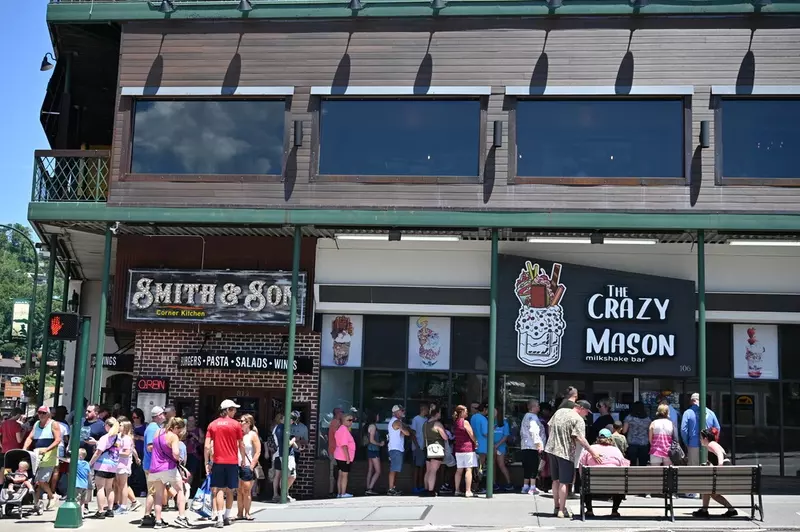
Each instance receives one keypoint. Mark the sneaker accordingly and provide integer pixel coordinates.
(99, 515)
(534, 491)
(347, 495)
(615, 515)
(418, 491)
(109, 513)
(182, 522)
(277, 498)
(469, 495)
(509, 488)
(148, 521)
(135, 506)
(393, 492)
(648, 496)
(160, 524)
(730, 513)
(702, 512)
(567, 513)
(218, 523)
(370, 492)
(49, 504)
(589, 514)
(226, 521)
(446, 489)
(525, 489)
(289, 498)
(481, 491)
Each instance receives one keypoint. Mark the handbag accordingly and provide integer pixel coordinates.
(432, 450)
(259, 472)
(201, 504)
(676, 454)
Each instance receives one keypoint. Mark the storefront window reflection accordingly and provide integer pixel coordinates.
(382, 390)
(469, 388)
(339, 388)
(791, 431)
(757, 425)
(427, 388)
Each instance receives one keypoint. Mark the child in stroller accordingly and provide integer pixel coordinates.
(19, 478)
(18, 470)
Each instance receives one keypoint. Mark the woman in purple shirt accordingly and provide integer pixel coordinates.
(164, 469)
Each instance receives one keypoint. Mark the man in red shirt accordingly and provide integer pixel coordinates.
(11, 432)
(226, 436)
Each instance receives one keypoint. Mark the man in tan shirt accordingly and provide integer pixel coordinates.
(336, 422)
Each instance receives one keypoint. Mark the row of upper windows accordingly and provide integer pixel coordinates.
(642, 138)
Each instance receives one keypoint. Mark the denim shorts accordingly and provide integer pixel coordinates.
(395, 461)
(373, 454)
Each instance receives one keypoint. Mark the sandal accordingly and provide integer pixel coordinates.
(249, 518)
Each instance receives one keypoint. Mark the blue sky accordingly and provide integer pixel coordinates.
(24, 39)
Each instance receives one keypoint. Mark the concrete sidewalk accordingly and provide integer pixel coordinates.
(503, 513)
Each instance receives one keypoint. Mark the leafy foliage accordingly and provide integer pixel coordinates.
(16, 281)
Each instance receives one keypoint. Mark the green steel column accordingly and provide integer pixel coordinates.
(69, 513)
(101, 322)
(48, 308)
(60, 366)
(492, 368)
(32, 313)
(287, 402)
(701, 331)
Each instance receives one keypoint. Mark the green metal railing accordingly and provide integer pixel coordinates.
(70, 175)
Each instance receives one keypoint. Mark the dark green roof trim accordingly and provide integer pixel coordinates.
(99, 212)
(105, 11)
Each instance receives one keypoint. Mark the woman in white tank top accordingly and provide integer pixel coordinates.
(252, 451)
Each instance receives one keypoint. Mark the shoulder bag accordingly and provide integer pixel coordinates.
(676, 454)
(432, 450)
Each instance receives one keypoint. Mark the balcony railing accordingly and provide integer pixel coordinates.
(70, 175)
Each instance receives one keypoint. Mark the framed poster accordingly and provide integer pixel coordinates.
(755, 351)
(342, 337)
(429, 343)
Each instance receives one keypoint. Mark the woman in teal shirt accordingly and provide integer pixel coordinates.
(501, 434)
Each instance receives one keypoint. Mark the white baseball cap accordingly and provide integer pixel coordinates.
(227, 403)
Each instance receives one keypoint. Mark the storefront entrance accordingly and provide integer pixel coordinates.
(262, 403)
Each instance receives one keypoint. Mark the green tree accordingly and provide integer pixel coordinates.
(16, 282)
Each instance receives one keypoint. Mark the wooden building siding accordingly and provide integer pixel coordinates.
(494, 52)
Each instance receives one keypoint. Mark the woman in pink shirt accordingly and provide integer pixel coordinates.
(344, 453)
(612, 457)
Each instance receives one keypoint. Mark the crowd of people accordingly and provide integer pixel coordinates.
(161, 457)
(450, 456)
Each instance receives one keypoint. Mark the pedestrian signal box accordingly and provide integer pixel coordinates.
(63, 326)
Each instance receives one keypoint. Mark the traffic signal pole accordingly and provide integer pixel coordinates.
(69, 514)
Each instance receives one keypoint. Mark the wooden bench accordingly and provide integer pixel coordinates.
(627, 481)
(668, 482)
(724, 480)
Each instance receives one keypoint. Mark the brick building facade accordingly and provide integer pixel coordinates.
(157, 352)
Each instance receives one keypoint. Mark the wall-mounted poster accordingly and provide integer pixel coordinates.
(341, 340)
(755, 351)
(429, 343)
(19, 319)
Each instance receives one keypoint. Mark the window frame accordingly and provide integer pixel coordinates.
(515, 179)
(128, 103)
(316, 107)
(718, 95)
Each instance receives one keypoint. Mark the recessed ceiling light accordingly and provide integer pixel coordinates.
(785, 243)
(631, 241)
(431, 238)
(558, 240)
(357, 236)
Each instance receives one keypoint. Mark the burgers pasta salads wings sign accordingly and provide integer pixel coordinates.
(214, 296)
(560, 317)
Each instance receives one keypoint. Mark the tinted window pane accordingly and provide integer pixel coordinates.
(399, 137)
(208, 137)
(385, 342)
(760, 138)
(600, 138)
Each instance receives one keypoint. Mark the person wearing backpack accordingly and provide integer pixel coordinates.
(105, 463)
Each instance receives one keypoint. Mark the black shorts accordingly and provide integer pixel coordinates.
(562, 470)
(104, 474)
(344, 467)
(246, 474)
(530, 463)
(225, 476)
(434, 459)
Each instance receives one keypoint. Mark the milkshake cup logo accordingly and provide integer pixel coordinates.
(342, 333)
(540, 324)
(754, 353)
(429, 343)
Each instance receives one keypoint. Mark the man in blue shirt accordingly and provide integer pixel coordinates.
(690, 430)
(480, 426)
(92, 430)
(157, 416)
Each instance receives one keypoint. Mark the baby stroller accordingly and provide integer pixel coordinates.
(21, 496)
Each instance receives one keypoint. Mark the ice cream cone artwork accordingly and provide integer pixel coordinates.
(540, 324)
(341, 332)
(429, 343)
(754, 353)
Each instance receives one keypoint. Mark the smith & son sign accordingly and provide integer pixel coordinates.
(214, 296)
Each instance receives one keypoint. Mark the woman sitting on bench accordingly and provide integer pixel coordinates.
(716, 457)
(612, 457)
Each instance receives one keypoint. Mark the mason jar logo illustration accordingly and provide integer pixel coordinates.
(540, 324)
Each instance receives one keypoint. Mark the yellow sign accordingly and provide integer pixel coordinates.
(744, 400)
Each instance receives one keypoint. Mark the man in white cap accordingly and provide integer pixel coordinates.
(157, 421)
(227, 438)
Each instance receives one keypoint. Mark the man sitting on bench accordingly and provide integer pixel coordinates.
(612, 457)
